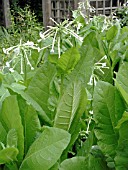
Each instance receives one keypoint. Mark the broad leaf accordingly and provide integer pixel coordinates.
(68, 60)
(10, 118)
(8, 155)
(68, 106)
(105, 115)
(111, 33)
(31, 126)
(84, 163)
(91, 39)
(122, 77)
(39, 86)
(76, 163)
(84, 68)
(122, 81)
(121, 159)
(33, 103)
(96, 163)
(46, 150)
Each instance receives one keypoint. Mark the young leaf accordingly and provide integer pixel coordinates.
(46, 150)
(10, 119)
(91, 40)
(8, 155)
(122, 120)
(68, 60)
(12, 138)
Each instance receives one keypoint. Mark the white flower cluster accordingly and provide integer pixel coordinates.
(98, 66)
(56, 32)
(20, 53)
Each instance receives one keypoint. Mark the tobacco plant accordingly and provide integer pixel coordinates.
(69, 112)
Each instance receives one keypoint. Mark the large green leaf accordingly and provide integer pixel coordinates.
(91, 39)
(39, 86)
(121, 159)
(122, 76)
(31, 126)
(122, 81)
(84, 68)
(10, 118)
(46, 150)
(31, 102)
(76, 163)
(105, 114)
(111, 33)
(84, 163)
(96, 163)
(8, 155)
(68, 106)
(68, 60)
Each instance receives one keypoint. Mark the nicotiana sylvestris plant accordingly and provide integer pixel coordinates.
(76, 122)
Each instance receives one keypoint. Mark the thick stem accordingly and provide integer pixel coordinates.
(25, 69)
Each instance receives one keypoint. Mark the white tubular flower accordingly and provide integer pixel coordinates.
(91, 80)
(42, 35)
(91, 112)
(44, 47)
(7, 64)
(88, 126)
(17, 50)
(59, 46)
(95, 82)
(53, 43)
(11, 70)
(29, 43)
(54, 21)
(5, 51)
(103, 65)
(21, 66)
(75, 35)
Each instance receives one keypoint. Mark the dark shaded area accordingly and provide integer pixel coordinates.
(35, 5)
(115, 2)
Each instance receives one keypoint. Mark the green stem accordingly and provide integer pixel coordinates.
(25, 70)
